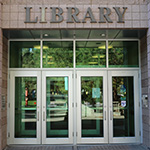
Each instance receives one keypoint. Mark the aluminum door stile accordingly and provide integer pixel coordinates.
(136, 138)
(56, 140)
(92, 140)
(12, 139)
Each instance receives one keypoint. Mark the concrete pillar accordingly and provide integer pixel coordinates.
(146, 76)
(3, 85)
(1, 129)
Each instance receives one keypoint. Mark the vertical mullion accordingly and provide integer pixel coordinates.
(107, 54)
(41, 54)
(74, 55)
(74, 93)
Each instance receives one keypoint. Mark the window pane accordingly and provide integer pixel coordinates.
(92, 106)
(90, 54)
(123, 107)
(57, 54)
(123, 54)
(25, 107)
(57, 107)
(24, 54)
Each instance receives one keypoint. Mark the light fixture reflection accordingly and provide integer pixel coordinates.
(104, 47)
(39, 47)
(101, 56)
(93, 63)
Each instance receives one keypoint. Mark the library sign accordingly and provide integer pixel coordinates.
(72, 15)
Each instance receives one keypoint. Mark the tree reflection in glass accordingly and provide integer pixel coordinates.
(57, 107)
(25, 107)
(90, 54)
(25, 54)
(92, 106)
(58, 54)
(123, 54)
(123, 107)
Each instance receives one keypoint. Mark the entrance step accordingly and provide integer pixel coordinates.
(83, 147)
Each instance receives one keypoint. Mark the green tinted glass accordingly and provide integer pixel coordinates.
(123, 54)
(123, 107)
(57, 54)
(92, 106)
(25, 107)
(90, 54)
(24, 54)
(57, 107)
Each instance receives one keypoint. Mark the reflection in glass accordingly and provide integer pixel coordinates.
(124, 34)
(57, 106)
(25, 107)
(57, 54)
(90, 54)
(92, 106)
(24, 54)
(123, 54)
(123, 107)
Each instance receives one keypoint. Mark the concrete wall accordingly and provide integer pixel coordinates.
(3, 86)
(13, 13)
(145, 56)
(144, 81)
(4, 90)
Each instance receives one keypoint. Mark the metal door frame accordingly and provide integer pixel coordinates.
(68, 140)
(92, 140)
(12, 139)
(136, 138)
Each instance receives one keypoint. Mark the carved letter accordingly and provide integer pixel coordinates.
(120, 15)
(74, 15)
(104, 16)
(43, 10)
(90, 15)
(58, 14)
(28, 16)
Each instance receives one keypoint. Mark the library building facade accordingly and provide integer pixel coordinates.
(74, 72)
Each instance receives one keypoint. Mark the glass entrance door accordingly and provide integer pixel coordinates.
(57, 107)
(108, 101)
(92, 107)
(41, 113)
(42, 106)
(25, 107)
(124, 108)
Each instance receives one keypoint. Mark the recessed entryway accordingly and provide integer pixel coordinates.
(74, 92)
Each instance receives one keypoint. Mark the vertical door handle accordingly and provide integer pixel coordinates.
(111, 115)
(38, 116)
(43, 116)
(105, 114)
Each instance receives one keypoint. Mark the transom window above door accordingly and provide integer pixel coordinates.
(74, 54)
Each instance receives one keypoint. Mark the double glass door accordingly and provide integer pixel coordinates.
(63, 107)
(108, 107)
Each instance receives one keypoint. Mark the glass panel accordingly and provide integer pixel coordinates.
(24, 54)
(123, 107)
(51, 34)
(90, 54)
(82, 34)
(123, 34)
(57, 106)
(58, 54)
(123, 54)
(92, 106)
(67, 34)
(97, 34)
(25, 107)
